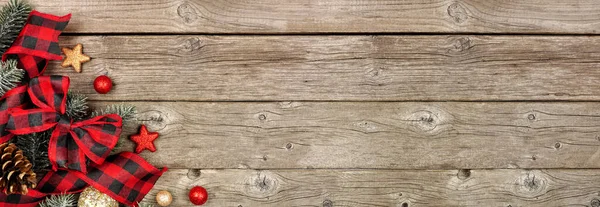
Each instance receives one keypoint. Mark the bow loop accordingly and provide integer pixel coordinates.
(49, 92)
(71, 142)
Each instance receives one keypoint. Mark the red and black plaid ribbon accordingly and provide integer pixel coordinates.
(126, 177)
(38, 42)
(15, 98)
(71, 142)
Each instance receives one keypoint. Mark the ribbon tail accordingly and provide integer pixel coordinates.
(31, 199)
(126, 177)
(63, 152)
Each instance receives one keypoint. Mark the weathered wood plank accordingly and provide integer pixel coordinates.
(356, 68)
(383, 135)
(328, 188)
(326, 16)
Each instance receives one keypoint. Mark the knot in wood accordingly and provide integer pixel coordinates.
(289, 146)
(557, 145)
(531, 117)
(154, 119)
(457, 12)
(194, 174)
(595, 203)
(192, 44)
(424, 120)
(187, 12)
(375, 72)
(531, 185)
(262, 184)
(262, 117)
(327, 203)
(367, 126)
(460, 44)
(464, 174)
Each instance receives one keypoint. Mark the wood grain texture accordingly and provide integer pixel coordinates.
(382, 135)
(326, 16)
(327, 188)
(341, 68)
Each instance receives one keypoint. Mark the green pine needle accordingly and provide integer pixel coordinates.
(145, 205)
(77, 106)
(10, 75)
(12, 19)
(126, 112)
(64, 200)
(35, 148)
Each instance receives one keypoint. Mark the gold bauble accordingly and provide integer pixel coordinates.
(90, 197)
(164, 198)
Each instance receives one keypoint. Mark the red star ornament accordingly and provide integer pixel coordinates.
(144, 140)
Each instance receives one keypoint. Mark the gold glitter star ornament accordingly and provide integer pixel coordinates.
(74, 57)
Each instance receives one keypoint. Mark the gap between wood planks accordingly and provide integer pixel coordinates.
(71, 34)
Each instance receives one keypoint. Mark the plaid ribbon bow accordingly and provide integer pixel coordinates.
(126, 177)
(71, 142)
(37, 42)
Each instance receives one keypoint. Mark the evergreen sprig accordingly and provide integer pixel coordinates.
(35, 148)
(10, 75)
(12, 19)
(145, 205)
(77, 106)
(64, 200)
(126, 112)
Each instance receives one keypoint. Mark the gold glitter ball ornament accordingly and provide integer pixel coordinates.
(164, 198)
(90, 197)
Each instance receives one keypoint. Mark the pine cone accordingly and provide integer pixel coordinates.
(17, 175)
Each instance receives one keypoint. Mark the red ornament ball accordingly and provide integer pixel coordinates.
(103, 84)
(198, 195)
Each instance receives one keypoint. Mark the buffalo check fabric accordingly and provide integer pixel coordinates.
(71, 143)
(126, 177)
(15, 98)
(38, 42)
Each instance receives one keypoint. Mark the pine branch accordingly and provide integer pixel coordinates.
(77, 106)
(64, 200)
(10, 75)
(35, 148)
(145, 205)
(12, 19)
(126, 112)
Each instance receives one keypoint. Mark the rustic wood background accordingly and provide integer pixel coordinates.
(354, 102)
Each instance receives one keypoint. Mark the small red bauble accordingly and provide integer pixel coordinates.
(198, 195)
(103, 84)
